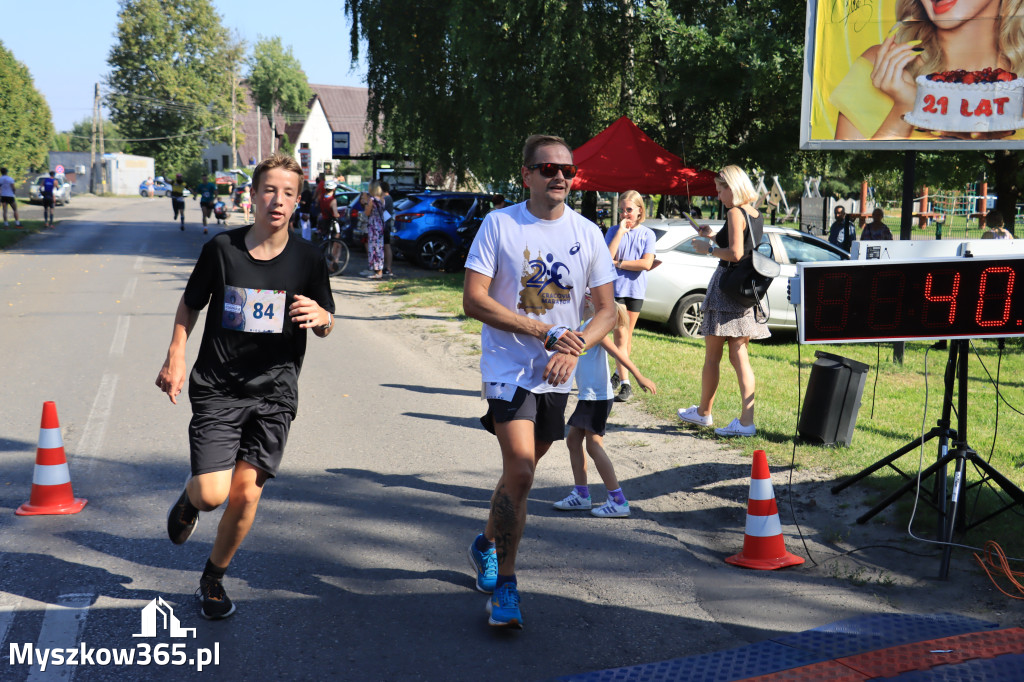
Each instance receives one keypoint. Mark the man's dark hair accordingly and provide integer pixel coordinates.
(994, 218)
(534, 142)
(385, 186)
(53, 173)
(275, 161)
(3, 171)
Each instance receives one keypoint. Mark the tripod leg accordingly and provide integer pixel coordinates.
(954, 502)
(936, 431)
(864, 518)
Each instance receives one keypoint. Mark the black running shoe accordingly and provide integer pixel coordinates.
(615, 381)
(182, 518)
(624, 394)
(213, 600)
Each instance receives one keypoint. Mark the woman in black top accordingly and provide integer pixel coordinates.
(725, 320)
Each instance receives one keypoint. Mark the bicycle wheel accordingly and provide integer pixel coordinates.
(335, 255)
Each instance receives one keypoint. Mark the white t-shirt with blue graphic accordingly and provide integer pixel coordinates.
(539, 268)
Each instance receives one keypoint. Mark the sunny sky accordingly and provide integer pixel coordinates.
(67, 56)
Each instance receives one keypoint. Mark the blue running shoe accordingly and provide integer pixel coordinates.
(486, 566)
(503, 607)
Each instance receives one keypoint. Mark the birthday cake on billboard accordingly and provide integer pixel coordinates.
(986, 101)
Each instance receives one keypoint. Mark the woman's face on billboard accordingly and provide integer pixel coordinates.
(950, 14)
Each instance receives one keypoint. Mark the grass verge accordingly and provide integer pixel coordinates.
(899, 403)
(11, 235)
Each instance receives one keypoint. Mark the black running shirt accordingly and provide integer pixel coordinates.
(251, 350)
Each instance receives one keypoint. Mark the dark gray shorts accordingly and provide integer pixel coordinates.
(592, 415)
(218, 437)
(545, 410)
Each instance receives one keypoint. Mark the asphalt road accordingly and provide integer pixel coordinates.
(356, 566)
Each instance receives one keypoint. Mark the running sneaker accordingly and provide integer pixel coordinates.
(486, 566)
(624, 394)
(736, 429)
(691, 416)
(503, 607)
(182, 518)
(214, 602)
(573, 502)
(615, 381)
(612, 510)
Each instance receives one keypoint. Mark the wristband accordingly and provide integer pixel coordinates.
(554, 334)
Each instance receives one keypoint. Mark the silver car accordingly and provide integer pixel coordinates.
(676, 287)
(61, 190)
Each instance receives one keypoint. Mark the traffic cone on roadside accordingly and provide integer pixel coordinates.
(51, 479)
(763, 545)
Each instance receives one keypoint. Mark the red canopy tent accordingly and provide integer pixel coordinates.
(623, 157)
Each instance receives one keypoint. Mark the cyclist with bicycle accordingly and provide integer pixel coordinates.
(328, 211)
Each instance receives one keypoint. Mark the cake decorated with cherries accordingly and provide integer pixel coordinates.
(986, 101)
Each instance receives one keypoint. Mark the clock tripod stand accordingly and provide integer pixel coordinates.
(946, 500)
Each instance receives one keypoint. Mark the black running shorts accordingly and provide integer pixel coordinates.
(633, 305)
(256, 434)
(592, 415)
(545, 410)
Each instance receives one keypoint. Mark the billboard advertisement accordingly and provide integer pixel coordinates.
(913, 74)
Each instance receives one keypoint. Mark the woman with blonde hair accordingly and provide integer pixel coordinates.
(374, 212)
(928, 37)
(631, 244)
(727, 321)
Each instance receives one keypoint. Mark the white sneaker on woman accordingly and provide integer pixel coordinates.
(691, 416)
(736, 429)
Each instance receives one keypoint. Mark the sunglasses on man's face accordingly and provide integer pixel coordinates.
(550, 170)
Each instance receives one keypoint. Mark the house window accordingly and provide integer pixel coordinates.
(225, 161)
(213, 165)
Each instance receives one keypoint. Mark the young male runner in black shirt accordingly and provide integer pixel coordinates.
(265, 289)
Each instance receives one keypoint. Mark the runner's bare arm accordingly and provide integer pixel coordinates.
(172, 375)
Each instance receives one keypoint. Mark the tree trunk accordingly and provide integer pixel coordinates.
(588, 207)
(1006, 168)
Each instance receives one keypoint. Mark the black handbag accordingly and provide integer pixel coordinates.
(747, 281)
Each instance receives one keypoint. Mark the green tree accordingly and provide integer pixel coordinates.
(80, 137)
(24, 118)
(277, 80)
(170, 79)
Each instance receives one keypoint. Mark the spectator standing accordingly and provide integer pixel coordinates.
(843, 232)
(389, 224)
(528, 349)
(631, 245)
(374, 212)
(726, 321)
(244, 385)
(995, 229)
(149, 188)
(876, 230)
(246, 201)
(7, 196)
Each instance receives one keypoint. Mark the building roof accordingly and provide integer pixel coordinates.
(345, 108)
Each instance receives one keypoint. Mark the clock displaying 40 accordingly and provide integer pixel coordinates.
(941, 298)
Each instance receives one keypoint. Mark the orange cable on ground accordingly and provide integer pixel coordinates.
(1001, 565)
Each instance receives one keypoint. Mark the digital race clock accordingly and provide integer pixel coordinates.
(943, 298)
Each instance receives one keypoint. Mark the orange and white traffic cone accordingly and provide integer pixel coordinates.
(51, 479)
(763, 545)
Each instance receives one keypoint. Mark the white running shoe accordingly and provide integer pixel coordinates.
(573, 502)
(736, 429)
(612, 510)
(690, 416)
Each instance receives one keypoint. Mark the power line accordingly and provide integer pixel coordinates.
(151, 139)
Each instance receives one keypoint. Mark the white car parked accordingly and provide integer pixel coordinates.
(61, 191)
(676, 287)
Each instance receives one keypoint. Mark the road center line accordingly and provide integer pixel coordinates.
(120, 336)
(96, 426)
(129, 288)
(62, 627)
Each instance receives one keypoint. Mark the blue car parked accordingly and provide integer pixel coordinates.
(427, 223)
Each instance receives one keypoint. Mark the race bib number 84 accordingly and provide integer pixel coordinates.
(261, 311)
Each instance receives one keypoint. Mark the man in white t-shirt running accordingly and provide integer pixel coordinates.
(526, 278)
(7, 196)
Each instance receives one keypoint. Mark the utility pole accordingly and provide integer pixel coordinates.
(234, 140)
(92, 145)
(99, 119)
(259, 134)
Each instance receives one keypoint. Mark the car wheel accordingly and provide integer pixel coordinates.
(687, 316)
(432, 250)
(143, 194)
